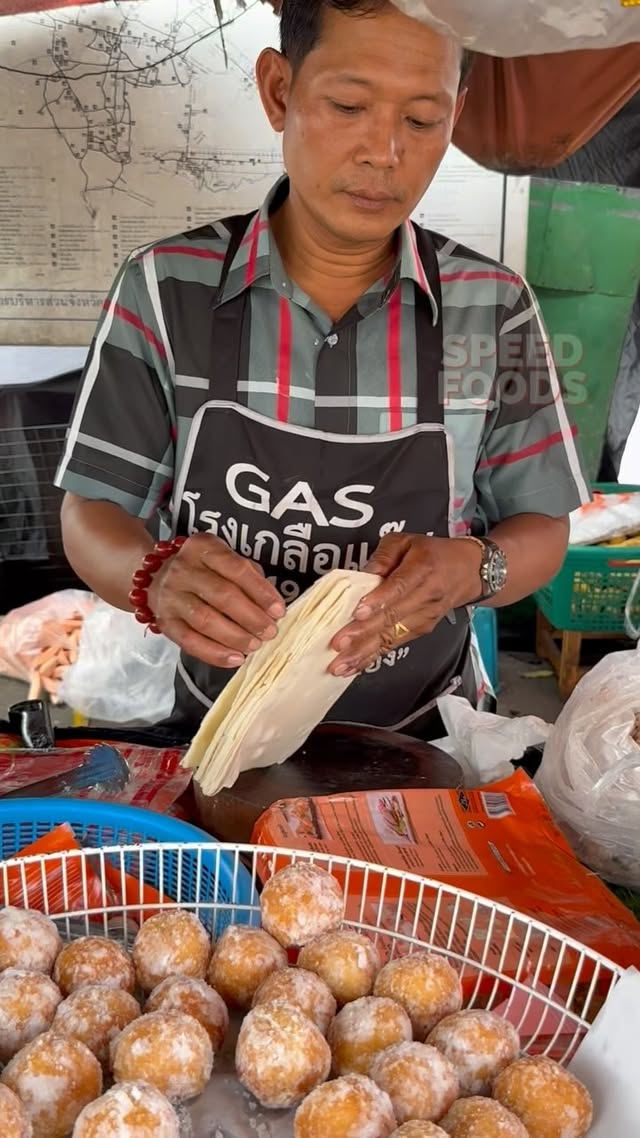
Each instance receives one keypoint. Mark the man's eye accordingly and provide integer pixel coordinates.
(345, 109)
(418, 125)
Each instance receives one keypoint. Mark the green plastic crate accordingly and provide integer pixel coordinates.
(591, 590)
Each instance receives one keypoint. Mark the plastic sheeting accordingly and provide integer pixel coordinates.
(508, 28)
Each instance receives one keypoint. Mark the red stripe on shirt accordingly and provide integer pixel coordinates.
(528, 452)
(189, 251)
(254, 237)
(136, 322)
(480, 275)
(284, 363)
(394, 369)
(261, 227)
(417, 260)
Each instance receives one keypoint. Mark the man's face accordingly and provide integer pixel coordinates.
(366, 120)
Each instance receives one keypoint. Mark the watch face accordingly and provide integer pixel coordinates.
(496, 571)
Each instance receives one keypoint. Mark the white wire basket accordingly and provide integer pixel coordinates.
(550, 986)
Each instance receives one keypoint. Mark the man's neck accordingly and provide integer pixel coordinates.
(331, 273)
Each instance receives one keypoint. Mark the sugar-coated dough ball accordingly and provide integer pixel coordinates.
(362, 1030)
(244, 957)
(417, 1129)
(301, 902)
(479, 1044)
(351, 1107)
(129, 1110)
(96, 1016)
(28, 1002)
(56, 1078)
(194, 998)
(174, 943)
(170, 1050)
(303, 989)
(420, 1081)
(549, 1100)
(427, 987)
(93, 960)
(346, 960)
(482, 1118)
(28, 940)
(281, 1055)
(15, 1120)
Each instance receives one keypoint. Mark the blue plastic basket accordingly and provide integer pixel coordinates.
(485, 623)
(190, 877)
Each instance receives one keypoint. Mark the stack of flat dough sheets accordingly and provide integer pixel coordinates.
(274, 701)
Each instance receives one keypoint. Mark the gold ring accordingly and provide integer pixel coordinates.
(400, 631)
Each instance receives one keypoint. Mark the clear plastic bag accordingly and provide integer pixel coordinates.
(485, 745)
(530, 27)
(122, 674)
(28, 632)
(590, 775)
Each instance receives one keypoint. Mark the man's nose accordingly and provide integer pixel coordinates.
(381, 146)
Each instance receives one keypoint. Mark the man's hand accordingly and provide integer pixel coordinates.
(424, 579)
(215, 604)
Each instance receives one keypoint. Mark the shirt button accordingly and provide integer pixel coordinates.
(332, 340)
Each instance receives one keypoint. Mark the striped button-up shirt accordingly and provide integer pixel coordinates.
(153, 364)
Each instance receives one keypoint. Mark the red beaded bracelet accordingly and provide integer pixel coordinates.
(139, 595)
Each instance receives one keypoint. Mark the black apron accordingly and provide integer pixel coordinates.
(302, 502)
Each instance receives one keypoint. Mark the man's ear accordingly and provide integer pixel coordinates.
(274, 77)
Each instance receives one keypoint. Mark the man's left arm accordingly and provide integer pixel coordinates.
(528, 479)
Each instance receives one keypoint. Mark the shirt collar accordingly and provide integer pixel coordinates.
(258, 256)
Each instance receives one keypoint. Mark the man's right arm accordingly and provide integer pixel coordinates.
(104, 546)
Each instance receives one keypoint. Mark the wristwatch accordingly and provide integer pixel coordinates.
(494, 569)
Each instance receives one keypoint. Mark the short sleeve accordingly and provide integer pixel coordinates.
(120, 442)
(529, 460)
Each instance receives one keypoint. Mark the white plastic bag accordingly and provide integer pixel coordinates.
(121, 674)
(485, 745)
(530, 27)
(607, 516)
(590, 775)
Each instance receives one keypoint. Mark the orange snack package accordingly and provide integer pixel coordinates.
(499, 843)
(57, 886)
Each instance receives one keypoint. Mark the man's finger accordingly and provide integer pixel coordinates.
(246, 576)
(200, 647)
(223, 596)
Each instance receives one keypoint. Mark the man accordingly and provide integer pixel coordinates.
(325, 385)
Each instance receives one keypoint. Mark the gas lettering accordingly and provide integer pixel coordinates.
(248, 486)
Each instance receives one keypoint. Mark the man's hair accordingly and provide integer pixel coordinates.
(301, 22)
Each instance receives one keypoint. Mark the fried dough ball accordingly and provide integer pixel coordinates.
(303, 989)
(129, 1110)
(362, 1030)
(174, 943)
(549, 1100)
(419, 1130)
(194, 998)
(351, 1107)
(55, 1077)
(244, 957)
(482, 1118)
(421, 1083)
(301, 902)
(427, 987)
(96, 1016)
(15, 1120)
(93, 961)
(346, 960)
(28, 1002)
(479, 1044)
(169, 1050)
(28, 940)
(281, 1055)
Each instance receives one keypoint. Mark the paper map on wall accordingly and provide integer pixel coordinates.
(123, 123)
